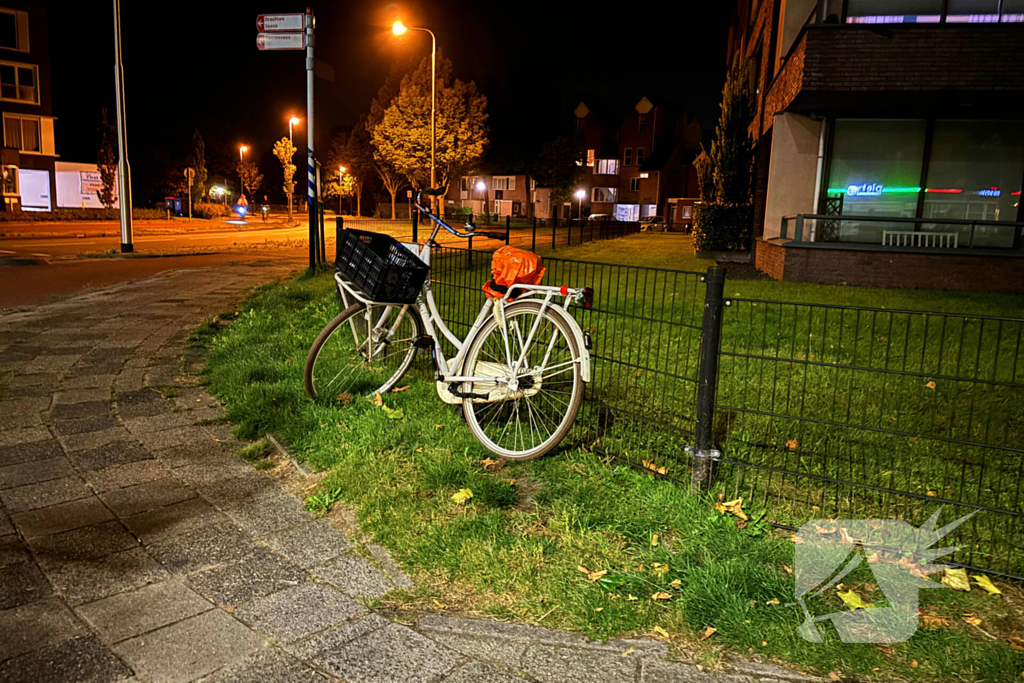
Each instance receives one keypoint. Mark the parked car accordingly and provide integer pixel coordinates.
(653, 223)
(600, 217)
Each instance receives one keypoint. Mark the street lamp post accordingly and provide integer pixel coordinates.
(241, 160)
(124, 176)
(341, 185)
(481, 188)
(580, 194)
(398, 30)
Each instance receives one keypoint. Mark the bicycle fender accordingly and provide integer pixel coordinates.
(580, 341)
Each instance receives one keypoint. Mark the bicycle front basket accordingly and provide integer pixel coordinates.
(379, 267)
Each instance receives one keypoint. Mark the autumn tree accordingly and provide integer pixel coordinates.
(284, 150)
(196, 160)
(402, 135)
(340, 186)
(391, 177)
(106, 160)
(560, 168)
(251, 177)
(359, 160)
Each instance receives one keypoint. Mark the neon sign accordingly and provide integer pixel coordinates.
(991, 192)
(864, 190)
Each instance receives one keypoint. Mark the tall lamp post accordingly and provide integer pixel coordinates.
(580, 194)
(124, 176)
(481, 188)
(241, 160)
(341, 183)
(398, 30)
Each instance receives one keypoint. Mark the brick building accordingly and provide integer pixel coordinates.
(28, 154)
(513, 195)
(638, 164)
(890, 145)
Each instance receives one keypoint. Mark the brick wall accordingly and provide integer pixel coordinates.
(890, 269)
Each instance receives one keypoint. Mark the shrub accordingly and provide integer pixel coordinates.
(722, 227)
(78, 215)
(210, 210)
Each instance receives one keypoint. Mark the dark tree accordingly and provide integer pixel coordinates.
(197, 162)
(106, 160)
(560, 168)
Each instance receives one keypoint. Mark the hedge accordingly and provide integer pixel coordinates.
(77, 215)
(722, 227)
(210, 210)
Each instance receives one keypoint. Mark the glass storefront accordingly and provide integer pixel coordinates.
(930, 11)
(974, 172)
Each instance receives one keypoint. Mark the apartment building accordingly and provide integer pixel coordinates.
(639, 163)
(515, 195)
(28, 154)
(890, 140)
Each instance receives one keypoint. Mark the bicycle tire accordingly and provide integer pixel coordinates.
(473, 409)
(402, 365)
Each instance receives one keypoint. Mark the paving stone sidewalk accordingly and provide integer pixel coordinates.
(136, 546)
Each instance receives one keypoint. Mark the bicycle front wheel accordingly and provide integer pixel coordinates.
(528, 419)
(364, 349)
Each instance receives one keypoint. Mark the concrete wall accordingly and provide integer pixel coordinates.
(793, 170)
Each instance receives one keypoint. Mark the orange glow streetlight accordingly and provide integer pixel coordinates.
(293, 121)
(242, 149)
(398, 29)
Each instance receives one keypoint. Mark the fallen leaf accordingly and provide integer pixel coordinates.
(887, 651)
(438, 426)
(654, 540)
(419, 450)
(835, 676)
(649, 465)
(461, 496)
(764, 643)
(598, 609)
(930, 385)
(377, 400)
(629, 652)
(873, 558)
(824, 531)
(708, 632)
(676, 584)
(753, 603)
(773, 601)
(659, 568)
(972, 620)
(986, 584)
(852, 600)
(487, 462)
(439, 605)
(930, 494)
(913, 663)
(633, 598)
(792, 444)
(660, 631)
(1016, 642)
(344, 398)
(787, 568)
(592, 576)
(932, 622)
(398, 389)
(661, 595)
(734, 507)
(797, 540)
(956, 579)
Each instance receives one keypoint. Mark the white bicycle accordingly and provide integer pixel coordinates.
(518, 375)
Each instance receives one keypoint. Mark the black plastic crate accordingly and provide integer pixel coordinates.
(379, 267)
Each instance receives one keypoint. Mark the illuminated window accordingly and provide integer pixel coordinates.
(21, 133)
(19, 83)
(590, 157)
(504, 182)
(605, 194)
(627, 157)
(607, 167)
(893, 11)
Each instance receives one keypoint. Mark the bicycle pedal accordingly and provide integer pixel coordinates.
(586, 341)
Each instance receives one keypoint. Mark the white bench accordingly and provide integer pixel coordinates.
(908, 238)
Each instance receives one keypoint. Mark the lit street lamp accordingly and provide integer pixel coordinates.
(580, 194)
(241, 160)
(481, 188)
(293, 121)
(398, 30)
(341, 183)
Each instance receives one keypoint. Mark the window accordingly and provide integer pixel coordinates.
(22, 133)
(627, 157)
(605, 194)
(930, 11)
(507, 182)
(590, 157)
(18, 83)
(645, 175)
(464, 183)
(13, 30)
(640, 156)
(607, 167)
(642, 123)
(634, 184)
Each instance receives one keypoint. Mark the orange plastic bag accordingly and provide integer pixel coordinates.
(510, 266)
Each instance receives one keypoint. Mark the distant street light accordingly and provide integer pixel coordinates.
(241, 160)
(580, 194)
(293, 121)
(341, 182)
(481, 188)
(398, 30)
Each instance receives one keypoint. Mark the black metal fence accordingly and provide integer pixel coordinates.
(813, 410)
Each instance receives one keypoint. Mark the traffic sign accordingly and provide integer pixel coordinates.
(281, 41)
(281, 22)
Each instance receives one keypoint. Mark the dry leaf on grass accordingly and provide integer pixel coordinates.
(708, 632)
(676, 584)
(773, 602)
(398, 389)
(956, 579)
(734, 507)
(659, 568)
(852, 600)
(654, 540)
(932, 622)
(660, 631)
(439, 605)
(488, 463)
(835, 676)
(887, 651)
(653, 467)
(787, 568)
(377, 400)
(986, 584)
(661, 595)
(591, 576)
(461, 496)
(1016, 643)
(971, 619)
(913, 663)
(633, 598)
(792, 444)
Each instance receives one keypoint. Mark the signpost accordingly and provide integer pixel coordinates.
(280, 41)
(295, 32)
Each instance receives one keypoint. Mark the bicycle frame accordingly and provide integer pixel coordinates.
(433, 322)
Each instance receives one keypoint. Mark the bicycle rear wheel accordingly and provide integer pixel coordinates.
(364, 349)
(531, 419)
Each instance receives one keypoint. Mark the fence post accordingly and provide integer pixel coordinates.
(415, 224)
(508, 228)
(469, 253)
(704, 454)
(533, 239)
(339, 225)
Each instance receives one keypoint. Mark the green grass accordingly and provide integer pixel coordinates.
(513, 550)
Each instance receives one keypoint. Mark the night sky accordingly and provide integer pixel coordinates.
(191, 64)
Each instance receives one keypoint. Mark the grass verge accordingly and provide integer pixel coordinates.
(515, 549)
